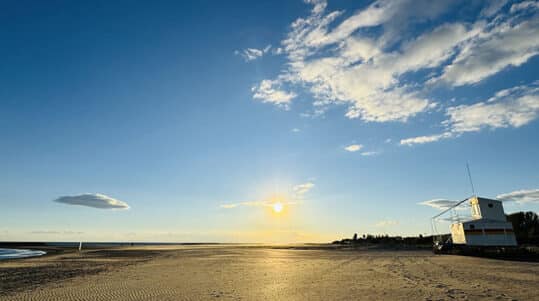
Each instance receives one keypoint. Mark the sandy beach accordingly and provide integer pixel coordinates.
(241, 272)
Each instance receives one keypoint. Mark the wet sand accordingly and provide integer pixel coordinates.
(240, 272)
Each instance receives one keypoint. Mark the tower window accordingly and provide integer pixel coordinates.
(490, 205)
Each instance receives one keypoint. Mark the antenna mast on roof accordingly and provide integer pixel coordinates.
(470, 177)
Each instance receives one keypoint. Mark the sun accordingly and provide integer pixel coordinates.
(277, 207)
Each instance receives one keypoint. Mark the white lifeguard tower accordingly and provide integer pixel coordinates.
(488, 226)
(486, 229)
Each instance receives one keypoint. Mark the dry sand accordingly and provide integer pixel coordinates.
(234, 272)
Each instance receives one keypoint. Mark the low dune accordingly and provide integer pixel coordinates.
(256, 272)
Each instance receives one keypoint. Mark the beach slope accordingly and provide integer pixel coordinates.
(241, 272)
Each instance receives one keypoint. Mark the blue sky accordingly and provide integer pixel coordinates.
(199, 116)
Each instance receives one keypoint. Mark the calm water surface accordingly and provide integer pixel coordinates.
(19, 253)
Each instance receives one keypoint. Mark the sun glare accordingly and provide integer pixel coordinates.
(277, 207)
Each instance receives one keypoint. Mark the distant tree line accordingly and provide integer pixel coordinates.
(367, 239)
(525, 226)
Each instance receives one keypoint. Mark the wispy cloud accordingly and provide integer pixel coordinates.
(357, 147)
(512, 107)
(302, 189)
(338, 66)
(370, 153)
(439, 203)
(493, 7)
(261, 203)
(511, 110)
(270, 91)
(251, 54)
(297, 197)
(363, 60)
(94, 200)
(425, 139)
(500, 44)
(518, 196)
(521, 196)
(247, 204)
(353, 147)
(525, 5)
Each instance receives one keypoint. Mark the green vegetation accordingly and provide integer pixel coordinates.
(526, 227)
(384, 239)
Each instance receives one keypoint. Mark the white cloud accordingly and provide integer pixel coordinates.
(277, 51)
(261, 203)
(521, 196)
(356, 71)
(493, 7)
(511, 43)
(295, 130)
(424, 139)
(353, 147)
(297, 196)
(251, 54)
(512, 107)
(386, 223)
(514, 112)
(94, 200)
(248, 204)
(370, 153)
(525, 5)
(361, 60)
(302, 189)
(433, 48)
(439, 203)
(269, 91)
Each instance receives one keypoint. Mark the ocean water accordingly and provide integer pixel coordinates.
(19, 253)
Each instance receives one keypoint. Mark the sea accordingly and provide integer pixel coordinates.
(13, 253)
(19, 253)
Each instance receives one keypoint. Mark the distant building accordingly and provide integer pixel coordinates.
(488, 226)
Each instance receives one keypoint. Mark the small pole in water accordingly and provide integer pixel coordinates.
(80, 246)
